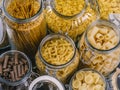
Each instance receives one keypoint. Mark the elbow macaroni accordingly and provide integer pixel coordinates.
(102, 62)
(90, 81)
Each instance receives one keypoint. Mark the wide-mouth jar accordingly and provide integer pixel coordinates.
(57, 56)
(15, 68)
(87, 79)
(99, 47)
(70, 17)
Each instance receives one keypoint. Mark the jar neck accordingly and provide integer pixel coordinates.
(16, 20)
(106, 23)
(52, 4)
(51, 66)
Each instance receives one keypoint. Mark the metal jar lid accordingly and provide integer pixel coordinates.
(46, 83)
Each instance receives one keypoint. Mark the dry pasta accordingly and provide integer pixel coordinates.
(52, 51)
(62, 74)
(91, 81)
(104, 63)
(25, 36)
(100, 37)
(108, 7)
(74, 27)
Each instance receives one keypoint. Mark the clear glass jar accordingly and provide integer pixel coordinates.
(16, 84)
(70, 16)
(4, 43)
(25, 24)
(87, 79)
(115, 18)
(65, 51)
(108, 7)
(46, 83)
(99, 47)
(114, 80)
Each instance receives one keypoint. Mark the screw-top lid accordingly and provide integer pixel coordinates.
(46, 83)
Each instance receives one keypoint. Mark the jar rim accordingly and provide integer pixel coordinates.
(49, 37)
(3, 32)
(87, 69)
(25, 77)
(106, 23)
(47, 78)
(22, 20)
(69, 17)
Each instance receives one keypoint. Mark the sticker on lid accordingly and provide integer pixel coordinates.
(1, 31)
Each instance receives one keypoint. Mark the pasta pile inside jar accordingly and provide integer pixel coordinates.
(108, 7)
(69, 16)
(57, 51)
(88, 80)
(26, 24)
(99, 48)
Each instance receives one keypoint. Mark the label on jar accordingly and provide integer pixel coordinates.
(115, 18)
(1, 31)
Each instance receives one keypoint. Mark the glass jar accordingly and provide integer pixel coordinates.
(46, 83)
(99, 47)
(70, 16)
(25, 24)
(108, 7)
(57, 56)
(115, 18)
(114, 80)
(87, 79)
(15, 70)
(4, 43)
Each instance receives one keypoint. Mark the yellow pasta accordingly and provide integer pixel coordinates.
(63, 73)
(104, 63)
(108, 7)
(55, 49)
(74, 27)
(91, 81)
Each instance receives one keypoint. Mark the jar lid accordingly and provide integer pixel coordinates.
(46, 83)
(1, 32)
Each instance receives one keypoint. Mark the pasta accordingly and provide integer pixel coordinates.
(52, 51)
(108, 7)
(74, 27)
(63, 73)
(25, 36)
(91, 81)
(105, 63)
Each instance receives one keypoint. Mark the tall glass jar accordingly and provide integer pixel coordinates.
(4, 43)
(57, 56)
(99, 47)
(71, 16)
(25, 24)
